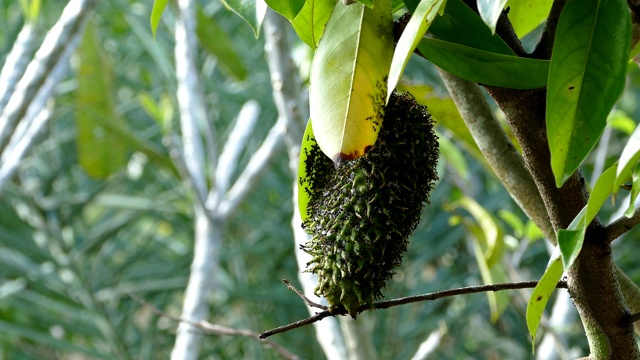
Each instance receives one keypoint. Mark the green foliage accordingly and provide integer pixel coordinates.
(490, 11)
(286, 8)
(526, 15)
(586, 78)
(249, 11)
(541, 295)
(486, 67)
(309, 23)
(156, 14)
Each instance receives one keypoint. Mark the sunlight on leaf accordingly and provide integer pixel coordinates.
(586, 77)
(304, 194)
(348, 79)
(248, 11)
(526, 15)
(287, 8)
(421, 18)
(310, 22)
(628, 159)
(490, 11)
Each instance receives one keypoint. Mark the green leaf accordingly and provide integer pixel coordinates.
(248, 11)
(541, 294)
(99, 152)
(586, 77)
(156, 14)
(526, 15)
(493, 244)
(570, 240)
(368, 3)
(453, 157)
(348, 79)
(216, 40)
(287, 8)
(417, 26)
(635, 190)
(304, 193)
(620, 120)
(461, 25)
(490, 11)
(310, 22)
(628, 159)
(486, 67)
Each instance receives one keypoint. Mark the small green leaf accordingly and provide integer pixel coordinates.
(461, 25)
(586, 77)
(486, 67)
(514, 221)
(570, 243)
(310, 22)
(490, 11)
(304, 193)
(628, 159)
(541, 294)
(493, 244)
(100, 152)
(156, 14)
(422, 17)
(287, 8)
(526, 15)
(348, 79)
(600, 192)
(215, 39)
(635, 190)
(248, 11)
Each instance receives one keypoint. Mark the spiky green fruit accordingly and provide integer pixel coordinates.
(362, 213)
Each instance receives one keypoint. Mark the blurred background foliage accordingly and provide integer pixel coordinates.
(73, 247)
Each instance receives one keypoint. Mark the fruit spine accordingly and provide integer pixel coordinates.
(362, 213)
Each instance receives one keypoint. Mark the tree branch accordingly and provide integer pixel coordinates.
(621, 226)
(302, 296)
(545, 45)
(214, 329)
(409, 300)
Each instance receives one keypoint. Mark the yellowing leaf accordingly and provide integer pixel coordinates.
(348, 79)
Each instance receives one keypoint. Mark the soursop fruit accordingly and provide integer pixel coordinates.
(362, 212)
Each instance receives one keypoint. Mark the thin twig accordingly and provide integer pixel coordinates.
(214, 329)
(409, 300)
(621, 226)
(634, 317)
(303, 297)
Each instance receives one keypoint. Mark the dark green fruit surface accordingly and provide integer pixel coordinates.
(362, 213)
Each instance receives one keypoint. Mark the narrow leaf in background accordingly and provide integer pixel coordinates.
(348, 79)
(490, 11)
(100, 153)
(216, 40)
(156, 14)
(484, 67)
(422, 17)
(526, 15)
(310, 22)
(586, 77)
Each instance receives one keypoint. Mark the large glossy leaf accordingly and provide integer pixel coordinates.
(421, 18)
(310, 22)
(100, 153)
(490, 11)
(541, 294)
(486, 67)
(348, 79)
(461, 25)
(156, 14)
(586, 77)
(628, 159)
(286, 8)
(216, 40)
(526, 15)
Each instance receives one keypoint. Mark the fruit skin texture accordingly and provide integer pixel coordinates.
(362, 213)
